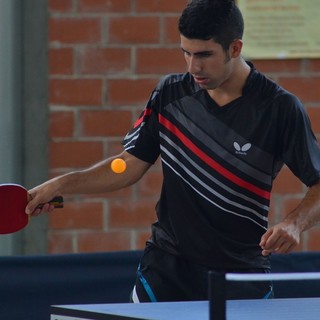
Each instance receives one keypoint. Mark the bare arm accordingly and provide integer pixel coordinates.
(96, 179)
(283, 237)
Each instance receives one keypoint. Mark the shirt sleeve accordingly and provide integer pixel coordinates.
(300, 150)
(142, 140)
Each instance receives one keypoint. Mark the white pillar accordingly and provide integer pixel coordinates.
(10, 102)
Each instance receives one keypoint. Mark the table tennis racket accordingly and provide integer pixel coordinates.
(13, 202)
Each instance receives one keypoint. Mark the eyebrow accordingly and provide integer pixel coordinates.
(199, 53)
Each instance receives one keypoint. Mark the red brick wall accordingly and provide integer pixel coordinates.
(105, 57)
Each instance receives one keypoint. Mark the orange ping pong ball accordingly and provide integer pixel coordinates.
(118, 165)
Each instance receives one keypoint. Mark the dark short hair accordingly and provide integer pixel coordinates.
(219, 20)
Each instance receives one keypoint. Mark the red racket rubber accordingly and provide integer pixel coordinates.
(13, 201)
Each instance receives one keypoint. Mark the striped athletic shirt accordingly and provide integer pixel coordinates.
(219, 164)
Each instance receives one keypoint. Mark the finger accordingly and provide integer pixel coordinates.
(264, 239)
(272, 242)
(286, 247)
(30, 208)
(266, 252)
(32, 204)
(45, 207)
(51, 207)
(35, 212)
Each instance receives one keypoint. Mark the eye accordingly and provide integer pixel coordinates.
(205, 54)
(186, 53)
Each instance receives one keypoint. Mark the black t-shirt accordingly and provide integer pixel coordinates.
(219, 164)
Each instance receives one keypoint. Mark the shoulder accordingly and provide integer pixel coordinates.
(174, 80)
(290, 108)
(269, 91)
(174, 87)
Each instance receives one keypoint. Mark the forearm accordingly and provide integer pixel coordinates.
(96, 179)
(285, 236)
(100, 178)
(89, 181)
(307, 214)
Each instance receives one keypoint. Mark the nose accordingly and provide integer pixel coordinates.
(194, 65)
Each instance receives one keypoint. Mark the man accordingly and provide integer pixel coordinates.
(223, 131)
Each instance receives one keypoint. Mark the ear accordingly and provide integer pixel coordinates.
(235, 48)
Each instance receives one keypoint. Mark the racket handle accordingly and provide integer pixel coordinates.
(56, 201)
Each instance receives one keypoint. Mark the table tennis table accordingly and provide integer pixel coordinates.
(273, 309)
(216, 308)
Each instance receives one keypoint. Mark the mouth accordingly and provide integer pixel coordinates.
(201, 80)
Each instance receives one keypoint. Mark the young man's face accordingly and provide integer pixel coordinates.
(209, 64)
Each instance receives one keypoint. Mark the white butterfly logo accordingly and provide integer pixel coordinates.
(242, 150)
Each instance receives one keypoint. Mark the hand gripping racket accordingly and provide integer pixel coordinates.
(13, 201)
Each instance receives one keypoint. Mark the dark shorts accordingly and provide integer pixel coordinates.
(165, 277)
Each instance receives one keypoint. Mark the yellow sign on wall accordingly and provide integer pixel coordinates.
(276, 29)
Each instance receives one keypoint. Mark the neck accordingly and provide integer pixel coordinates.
(232, 88)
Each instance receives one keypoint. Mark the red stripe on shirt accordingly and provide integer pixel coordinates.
(210, 162)
(146, 112)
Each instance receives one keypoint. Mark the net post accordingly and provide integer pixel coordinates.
(217, 296)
